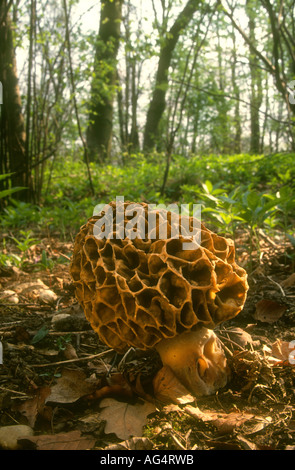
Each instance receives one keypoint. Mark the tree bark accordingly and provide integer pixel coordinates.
(100, 127)
(272, 67)
(12, 127)
(237, 142)
(256, 84)
(158, 101)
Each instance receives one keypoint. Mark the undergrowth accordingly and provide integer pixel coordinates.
(237, 192)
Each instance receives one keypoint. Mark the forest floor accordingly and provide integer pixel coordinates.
(70, 391)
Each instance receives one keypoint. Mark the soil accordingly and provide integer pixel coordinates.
(256, 410)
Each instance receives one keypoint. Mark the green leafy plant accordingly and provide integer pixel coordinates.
(8, 192)
(23, 243)
(62, 341)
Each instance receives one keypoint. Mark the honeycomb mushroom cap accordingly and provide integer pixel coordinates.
(137, 292)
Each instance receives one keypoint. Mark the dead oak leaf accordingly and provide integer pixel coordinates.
(269, 311)
(289, 282)
(135, 443)
(123, 419)
(35, 406)
(71, 386)
(61, 441)
(281, 352)
(225, 423)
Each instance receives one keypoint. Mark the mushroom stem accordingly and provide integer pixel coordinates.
(197, 360)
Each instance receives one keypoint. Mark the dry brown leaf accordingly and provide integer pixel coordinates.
(136, 443)
(225, 423)
(282, 349)
(281, 352)
(289, 282)
(245, 443)
(91, 422)
(123, 419)
(35, 406)
(71, 386)
(239, 336)
(269, 311)
(168, 389)
(70, 352)
(9, 297)
(62, 441)
(26, 288)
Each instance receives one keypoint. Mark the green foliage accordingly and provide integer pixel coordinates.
(62, 341)
(23, 243)
(235, 191)
(40, 335)
(8, 192)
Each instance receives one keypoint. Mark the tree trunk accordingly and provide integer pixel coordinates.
(256, 86)
(13, 136)
(100, 127)
(237, 143)
(158, 101)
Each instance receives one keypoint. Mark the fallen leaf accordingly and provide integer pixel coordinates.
(167, 388)
(225, 423)
(70, 352)
(239, 336)
(25, 288)
(71, 386)
(35, 406)
(47, 296)
(61, 441)
(269, 311)
(91, 422)
(21, 335)
(9, 297)
(258, 424)
(289, 282)
(282, 349)
(40, 334)
(280, 352)
(123, 419)
(245, 443)
(136, 443)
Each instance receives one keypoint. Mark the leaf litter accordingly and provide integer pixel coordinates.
(73, 392)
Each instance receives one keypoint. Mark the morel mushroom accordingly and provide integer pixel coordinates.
(151, 293)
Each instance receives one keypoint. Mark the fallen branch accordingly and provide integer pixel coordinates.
(79, 359)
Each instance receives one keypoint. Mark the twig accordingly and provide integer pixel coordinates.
(13, 391)
(79, 359)
(177, 442)
(230, 341)
(65, 256)
(278, 285)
